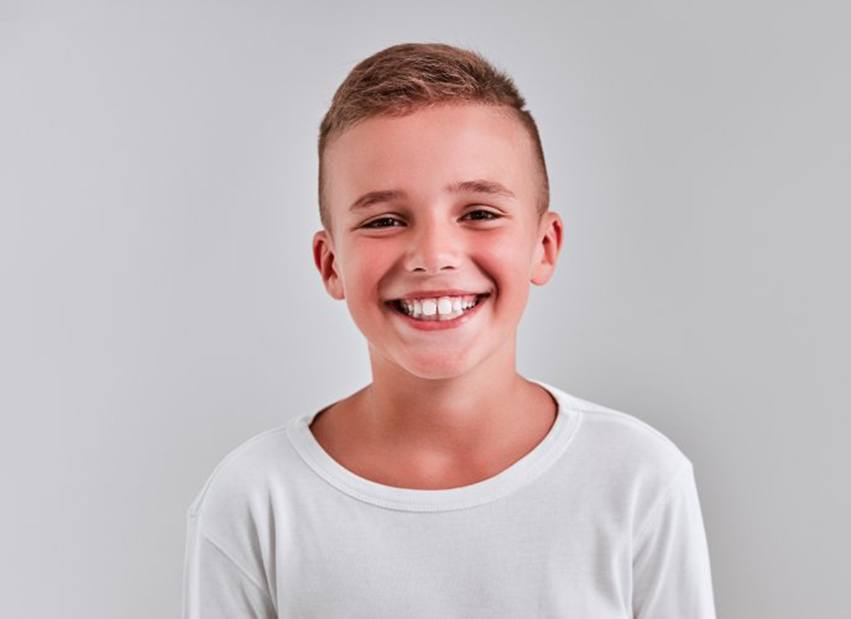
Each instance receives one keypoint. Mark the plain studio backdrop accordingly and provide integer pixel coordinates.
(160, 303)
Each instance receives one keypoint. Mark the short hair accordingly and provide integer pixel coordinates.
(404, 78)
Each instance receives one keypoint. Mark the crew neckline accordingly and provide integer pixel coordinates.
(521, 472)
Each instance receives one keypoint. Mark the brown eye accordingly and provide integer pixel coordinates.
(374, 223)
(487, 215)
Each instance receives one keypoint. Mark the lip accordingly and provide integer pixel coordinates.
(440, 325)
(433, 294)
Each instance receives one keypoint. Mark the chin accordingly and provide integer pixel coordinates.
(432, 369)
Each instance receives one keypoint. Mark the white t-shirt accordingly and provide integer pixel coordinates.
(600, 520)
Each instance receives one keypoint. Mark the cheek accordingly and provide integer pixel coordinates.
(507, 257)
(360, 283)
(363, 263)
(365, 266)
(506, 261)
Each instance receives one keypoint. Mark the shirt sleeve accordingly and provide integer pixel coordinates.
(671, 570)
(215, 586)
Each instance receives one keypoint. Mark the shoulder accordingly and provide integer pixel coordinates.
(631, 435)
(232, 520)
(242, 484)
(630, 466)
(622, 445)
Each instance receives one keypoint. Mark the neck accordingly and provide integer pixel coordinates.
(453, 417)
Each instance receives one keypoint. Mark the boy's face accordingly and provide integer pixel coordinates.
(431, 237)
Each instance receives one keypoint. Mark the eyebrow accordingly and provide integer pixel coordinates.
(474, 186)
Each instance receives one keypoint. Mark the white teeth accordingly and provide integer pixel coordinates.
(441, 308)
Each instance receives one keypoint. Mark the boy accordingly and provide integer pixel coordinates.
(450, 486)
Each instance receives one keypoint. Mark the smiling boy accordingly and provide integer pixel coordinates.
(450, 486)
(436, 209)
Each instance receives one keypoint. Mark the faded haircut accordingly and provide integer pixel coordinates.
(404, 78)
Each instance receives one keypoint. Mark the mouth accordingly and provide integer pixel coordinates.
(440, 312)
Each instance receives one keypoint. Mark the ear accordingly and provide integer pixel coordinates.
(547, 248)
(325, 259)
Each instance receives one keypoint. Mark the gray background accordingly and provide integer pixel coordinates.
(160, 305)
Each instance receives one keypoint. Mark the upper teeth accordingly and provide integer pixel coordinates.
(440, 306)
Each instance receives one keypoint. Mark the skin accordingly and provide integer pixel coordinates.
(445, 408)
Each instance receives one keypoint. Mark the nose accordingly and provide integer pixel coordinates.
(434, 248)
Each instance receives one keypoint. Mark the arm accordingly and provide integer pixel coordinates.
(671, 570)
(215, 586)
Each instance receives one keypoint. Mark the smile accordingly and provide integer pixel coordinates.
(439, 312)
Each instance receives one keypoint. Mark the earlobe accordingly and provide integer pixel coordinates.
(325, 260)
(548, 248)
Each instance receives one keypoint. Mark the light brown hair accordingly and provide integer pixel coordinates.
(404, 78)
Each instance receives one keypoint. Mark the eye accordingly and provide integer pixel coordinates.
(390, 222)
(488, 215)
(374, 222)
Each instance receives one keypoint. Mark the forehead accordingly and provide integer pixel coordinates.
(429, 150)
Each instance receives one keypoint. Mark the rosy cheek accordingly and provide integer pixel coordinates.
(373, 248)
(502, 252)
